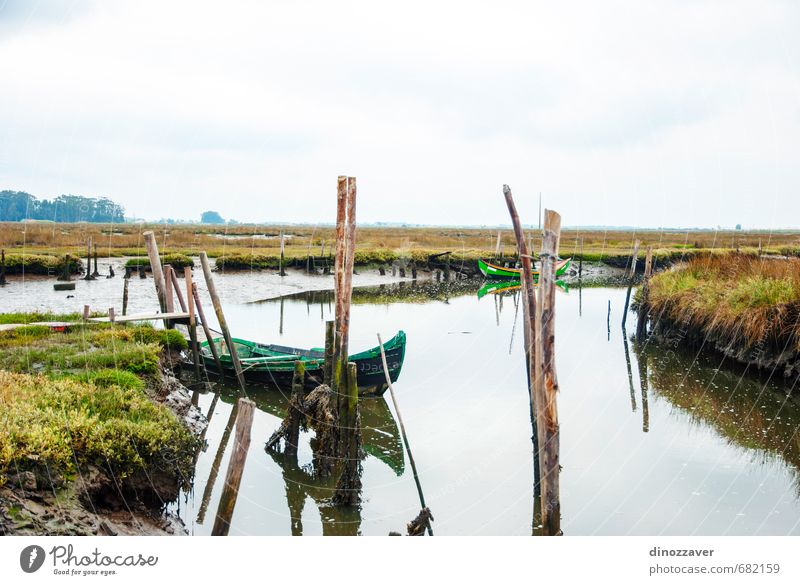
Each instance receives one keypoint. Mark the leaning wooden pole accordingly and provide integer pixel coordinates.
(548, 381)
(233, 478)
(403, 434)
(644, 307)
(223, 324)
(187, 274)
(155, 266)
(209, 337)
(528, 300)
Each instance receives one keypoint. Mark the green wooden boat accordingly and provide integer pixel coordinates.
(504, 287)
(274, 364)
(495, 272)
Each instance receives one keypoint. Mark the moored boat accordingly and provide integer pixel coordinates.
(496, 272)
(274, 364)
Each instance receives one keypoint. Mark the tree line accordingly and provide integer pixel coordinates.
(19, 206)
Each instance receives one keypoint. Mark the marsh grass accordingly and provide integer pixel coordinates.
(739, 298)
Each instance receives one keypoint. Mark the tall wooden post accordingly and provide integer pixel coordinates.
(88, 260)
(580, 260)
(187, 274)
(631, 276)
(295, 415)
(125, 296)
(641, 324)
(3, 267)
(155, 266)
(281, 270)
(170, 298)
(176, 286)
(96, 272)
(212, 291)
(529, 308)
(548, 381)
(233, 479)
(330, 342)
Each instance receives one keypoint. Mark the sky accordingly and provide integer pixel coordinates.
(681, 113)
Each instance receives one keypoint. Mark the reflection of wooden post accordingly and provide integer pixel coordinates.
(642, 359)
(212, 291)
(528, 300)
(209, 338)
(215, 465)
(241, 443)
(187, 275)
(125, 296)
(580, 260)
(155, 266)
(548, 381)
(631, 276)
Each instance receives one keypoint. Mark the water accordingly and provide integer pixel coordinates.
(660, 443)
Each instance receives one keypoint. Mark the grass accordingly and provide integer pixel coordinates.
(56, 426)
(740, 299)
(248, 246)
(176, 260)
(41, 264)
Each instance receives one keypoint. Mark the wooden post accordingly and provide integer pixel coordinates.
(88, 260)
(413, 270)
(215, 465)
(170, 298)
(142, 271)
(530, 335)
(96, 272)
(403, 431)
(125, 296)
(158, 273)
(580, 260)
(548, 381)
(187, 274)
(497, 247)
(111, 316)
(641, 358)
(345, 234)
(177, 287)
(330, 342)
(212, 291)
(348, 488)
(282, 272)
(3, 268)
(631, 275)
(209, 337)
(641, 323)
(295, 415)
(608, 319)
(241, 443)
(85, 312)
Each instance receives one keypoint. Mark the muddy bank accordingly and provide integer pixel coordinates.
(93, 500)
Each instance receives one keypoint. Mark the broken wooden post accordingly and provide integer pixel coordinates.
(403, 433)
(96, 272)
(125, 296)
(3, 268)
(528, 300)
(111, 315)
(142, 271)
(212, 291)
(330, 341)
(170, 298)
(548, 381)
(85, 312)
(158, 273)
(209, 337)
(241, 443)
(88, 275)
(631, 275)
(644, 311)
(296, 412)
(187, 274)
(281, 271)
(413, 270)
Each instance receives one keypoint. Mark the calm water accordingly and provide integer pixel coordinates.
(660, 444)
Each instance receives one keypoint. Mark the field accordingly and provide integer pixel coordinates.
(259, 246)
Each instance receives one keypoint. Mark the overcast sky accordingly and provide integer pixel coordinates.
(655, 113)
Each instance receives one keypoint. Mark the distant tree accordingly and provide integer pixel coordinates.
(17, 206)
(211, 217)
(738, 226)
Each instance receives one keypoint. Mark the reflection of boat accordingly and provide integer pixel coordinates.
(495, 272)
(503, 287)
(275, 363)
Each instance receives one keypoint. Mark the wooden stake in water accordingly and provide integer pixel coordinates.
(641, 324)
(3, 268)
(403, 432)
(212, 291)
(282, 272)
(631, 275)
(125, 296)
(330, 342)
(155, 266)
(209, 337)
(187, 275)
(295, 415)
(233, 479)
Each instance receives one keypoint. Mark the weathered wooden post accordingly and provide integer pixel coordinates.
(241, 443)
(641, 358)
(348, 488)
(209, 337)
(3, 268)
(88, 275)
(631, 276)
(212, 291)
(644, 310)
(85, 312)
(96, 272)
(176, 286)
(580, 260)
(413, 270)
(215, 465)
(158, 273)
(170, 298)
(330, 342)
(548, 381)
(111, 316)
(295, 410)
(530, 335)
(187, 274)
(281, 271)
(142, 271)
(125, 296)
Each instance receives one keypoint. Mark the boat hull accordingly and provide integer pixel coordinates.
(495, 272)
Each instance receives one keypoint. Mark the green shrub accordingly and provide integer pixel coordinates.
(177, 261)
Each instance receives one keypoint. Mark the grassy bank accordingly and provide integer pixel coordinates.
(258, 246)
(737, 300)
(41, 264)
(86, 399)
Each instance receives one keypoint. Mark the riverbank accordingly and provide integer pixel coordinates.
(97, 434)
(744, 307)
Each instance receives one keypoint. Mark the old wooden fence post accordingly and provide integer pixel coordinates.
(644, 309)
(631, 276)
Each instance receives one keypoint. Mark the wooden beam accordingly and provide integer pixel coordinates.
(158, 273)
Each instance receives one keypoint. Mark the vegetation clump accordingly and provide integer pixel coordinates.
(177, 261)
(741, 300)
(41, 264)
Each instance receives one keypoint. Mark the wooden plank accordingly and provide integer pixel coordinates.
(142, 317)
